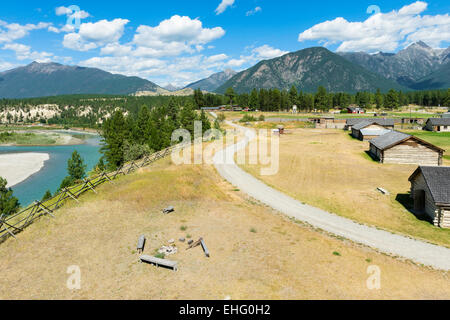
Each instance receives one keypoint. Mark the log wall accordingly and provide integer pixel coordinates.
(412, 152)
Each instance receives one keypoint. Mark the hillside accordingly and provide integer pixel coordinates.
(50, 79)
(306, 70)
(440, 79)
(214, 81)
(405, 67)
(255, 253)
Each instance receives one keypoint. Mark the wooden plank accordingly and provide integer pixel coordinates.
(160, 262)
(205, 248)
(141, 244)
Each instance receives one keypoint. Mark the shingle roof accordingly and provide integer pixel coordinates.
(381, 122)
(362, 124)
(439, 121)
(389, 139)
(374, 132)
(438, 181)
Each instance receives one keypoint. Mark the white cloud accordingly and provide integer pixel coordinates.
(383, 31)
(254, 11)
(174, 36)
(92, 35)
(24, 52)
(267, 52)
(64, 11)
(14, 31)
(223, 6)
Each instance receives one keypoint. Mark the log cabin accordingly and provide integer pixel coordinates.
(402, 148)
(386, 123)
(368, 130)
(430, 189)
(438, 125)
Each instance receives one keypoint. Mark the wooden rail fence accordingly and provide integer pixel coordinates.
(15, 223)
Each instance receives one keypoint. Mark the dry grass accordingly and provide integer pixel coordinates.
(330, 170)
(255, 253)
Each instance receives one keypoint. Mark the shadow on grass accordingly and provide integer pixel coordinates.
(408, 203)
(369, 156)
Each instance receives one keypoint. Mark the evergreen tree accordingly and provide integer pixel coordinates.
(230, 94)
(188, 117)
(8, 203)
(114, 134)
(378, 99)
(254, 100)
(206, 124)
(76, 167)
(321, 99)
(293, 96)
(391, 100)
(47, 196)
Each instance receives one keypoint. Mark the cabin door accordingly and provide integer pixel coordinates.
(419, 200)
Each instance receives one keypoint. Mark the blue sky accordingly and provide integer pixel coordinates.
(180, 42)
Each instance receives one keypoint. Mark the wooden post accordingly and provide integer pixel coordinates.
(89, 184)
(40, 205)
(71, 195)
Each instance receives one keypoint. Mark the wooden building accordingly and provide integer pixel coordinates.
(430, 189)
(368, 130)
(398, 147)
(386, 123)
(438, 125)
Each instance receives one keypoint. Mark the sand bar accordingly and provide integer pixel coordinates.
(17, 167)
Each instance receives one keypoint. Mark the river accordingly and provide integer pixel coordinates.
(55, 169)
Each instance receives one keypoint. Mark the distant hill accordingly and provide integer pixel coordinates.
(440, 79)
(307, 70)
(406, 67)
(50, 79)
(213, 82)
(170, 87)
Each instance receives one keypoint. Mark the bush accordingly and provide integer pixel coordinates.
(248, 118)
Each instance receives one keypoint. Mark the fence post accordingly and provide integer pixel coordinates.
(40, 205)
(71, 194)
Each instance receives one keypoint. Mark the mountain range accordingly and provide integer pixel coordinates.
(308, 69)
(410, 67)
(214, 81)
(50, 79)
(417, 67)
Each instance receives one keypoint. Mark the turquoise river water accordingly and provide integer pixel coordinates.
(54, 170)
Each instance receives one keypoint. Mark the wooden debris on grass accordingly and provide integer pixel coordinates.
(200, 242)
(169, 210)
(160, 262)
(141, 244)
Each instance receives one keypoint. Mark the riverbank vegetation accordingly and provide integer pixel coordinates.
(38, 138)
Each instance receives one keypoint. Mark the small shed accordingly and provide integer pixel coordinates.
(368, 130)
(438, 124)
(398, 147)
(430, 189)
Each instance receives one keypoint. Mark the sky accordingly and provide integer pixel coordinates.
(179, 42)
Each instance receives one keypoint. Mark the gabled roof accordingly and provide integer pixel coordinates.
(393, 138)
(381, 122)
(438, 181)
(374, 132)
(439, 121)
(363, 124)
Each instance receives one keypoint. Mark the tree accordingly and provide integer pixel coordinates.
(391, 100)
(378, 99)
(8, 203)
(47, 196)
(293, 96)
(321, 99)
(114, 135)
(206, 124)
(198, 98)
(187, 118)
(253, 100)
(230, 94)
(76, 167)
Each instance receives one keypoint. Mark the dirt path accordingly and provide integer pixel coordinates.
(383, 241)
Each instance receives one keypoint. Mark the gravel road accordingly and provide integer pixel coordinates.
(396, 245)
